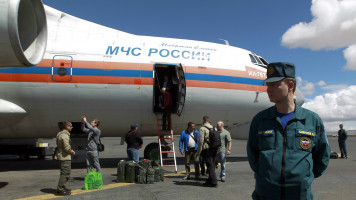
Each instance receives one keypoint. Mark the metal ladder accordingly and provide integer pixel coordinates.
(166, 137)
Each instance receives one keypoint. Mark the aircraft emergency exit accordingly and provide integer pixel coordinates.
(56, 67)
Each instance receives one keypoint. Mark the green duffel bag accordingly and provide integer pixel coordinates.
(130, 172)
(150, 175)
(93, 180)
(157, 173)
(121, 171)
(145, 163)
(141, 175)
(155, 163)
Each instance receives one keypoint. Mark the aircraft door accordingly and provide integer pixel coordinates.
(175, 84)
(62, 68)
(181, 89)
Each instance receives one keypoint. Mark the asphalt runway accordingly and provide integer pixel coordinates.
(37, 179)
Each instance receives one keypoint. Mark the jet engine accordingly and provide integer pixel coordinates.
(23, 33)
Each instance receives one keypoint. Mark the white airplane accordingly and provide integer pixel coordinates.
(56, 67)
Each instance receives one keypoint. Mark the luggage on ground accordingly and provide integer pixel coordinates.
(145, 163)
(141, 174)
(130, 172)
(150, 175)
(93, 180)
(333, 155)
(121, 171)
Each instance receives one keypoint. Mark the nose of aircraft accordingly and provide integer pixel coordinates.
(300, 97)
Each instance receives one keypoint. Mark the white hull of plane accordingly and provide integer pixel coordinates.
(109, 75)
(117, 106)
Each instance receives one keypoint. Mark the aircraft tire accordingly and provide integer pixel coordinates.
(151, 151)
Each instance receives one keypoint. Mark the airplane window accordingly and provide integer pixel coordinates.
(258, 60)
(253, 60)
(263, 60)
(62, 71)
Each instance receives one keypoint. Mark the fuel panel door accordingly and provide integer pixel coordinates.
(181, 89)
(62, 68)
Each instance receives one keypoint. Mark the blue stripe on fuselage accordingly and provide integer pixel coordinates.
(133, 73)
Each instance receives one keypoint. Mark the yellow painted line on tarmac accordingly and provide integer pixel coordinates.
(76, 192)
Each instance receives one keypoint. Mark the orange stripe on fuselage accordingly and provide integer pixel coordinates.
(149, 67)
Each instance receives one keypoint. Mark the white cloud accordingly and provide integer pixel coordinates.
(307, 88)
(334, 88)
(335, 107)
(333, 27)
(321, 83)
(350, 56)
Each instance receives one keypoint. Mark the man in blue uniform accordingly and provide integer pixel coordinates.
(287, 146)
(342, 136)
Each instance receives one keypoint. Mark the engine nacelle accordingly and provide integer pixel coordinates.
(23, 33)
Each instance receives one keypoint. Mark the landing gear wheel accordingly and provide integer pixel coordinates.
(152, 152)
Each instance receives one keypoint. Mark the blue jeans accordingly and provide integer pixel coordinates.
(132, 154)
(222, 161)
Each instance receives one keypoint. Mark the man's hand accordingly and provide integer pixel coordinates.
(71, 152)
(228, 152)
(182, 152)
(84, 119)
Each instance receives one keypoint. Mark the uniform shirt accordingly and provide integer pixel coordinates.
(203, 137)
(93, 136)
(285, 161)
(63, 146)
(225, 137)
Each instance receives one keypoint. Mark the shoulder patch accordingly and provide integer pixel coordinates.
(305, 132)
(266, 133)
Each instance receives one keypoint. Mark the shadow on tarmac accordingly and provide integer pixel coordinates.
(49, 190)
(3, 184)
(191, 183)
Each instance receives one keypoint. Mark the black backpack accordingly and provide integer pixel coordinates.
(214, 138)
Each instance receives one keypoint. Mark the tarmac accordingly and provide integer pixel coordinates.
(37, 179)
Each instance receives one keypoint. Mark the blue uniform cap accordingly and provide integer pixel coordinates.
(279, 70)
(133, 126)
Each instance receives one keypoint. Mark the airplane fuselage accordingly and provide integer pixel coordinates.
(98, 72)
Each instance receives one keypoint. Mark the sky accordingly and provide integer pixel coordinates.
(318, 36)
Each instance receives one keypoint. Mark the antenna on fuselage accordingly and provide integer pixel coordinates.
(226, 42)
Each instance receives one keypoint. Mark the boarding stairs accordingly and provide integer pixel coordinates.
(166, 141)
